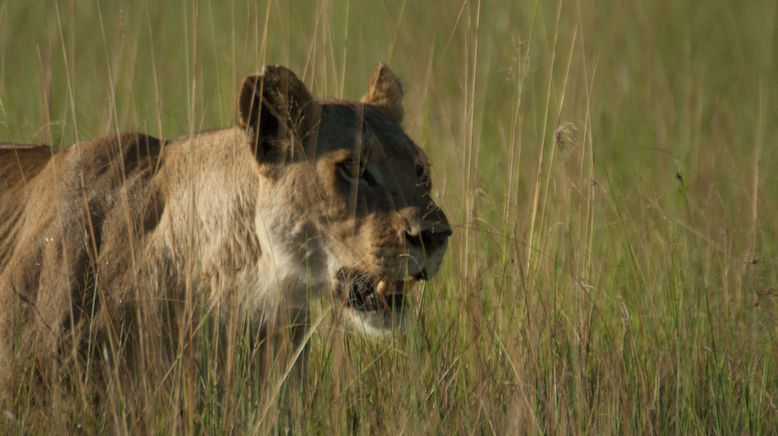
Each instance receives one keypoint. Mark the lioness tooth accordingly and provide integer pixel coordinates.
(380, 288)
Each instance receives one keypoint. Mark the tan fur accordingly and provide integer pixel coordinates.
(110, 234)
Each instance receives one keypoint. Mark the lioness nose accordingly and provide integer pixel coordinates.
(429, 239)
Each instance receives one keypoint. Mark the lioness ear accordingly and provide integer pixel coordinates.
(273, 108)
(386, 92)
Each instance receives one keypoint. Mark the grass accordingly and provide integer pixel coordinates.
(607, 166)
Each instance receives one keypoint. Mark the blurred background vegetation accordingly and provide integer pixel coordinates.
(608, 167)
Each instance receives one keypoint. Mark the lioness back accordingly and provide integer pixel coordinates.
(19, 163)
(56, 226)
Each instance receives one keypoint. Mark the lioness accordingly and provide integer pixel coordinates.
(301, 198)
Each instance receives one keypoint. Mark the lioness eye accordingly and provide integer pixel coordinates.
(421, 171)
(368, 178)
(346, 169)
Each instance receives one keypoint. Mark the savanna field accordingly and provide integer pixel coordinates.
(609, 169)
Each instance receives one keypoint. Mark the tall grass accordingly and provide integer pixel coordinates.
(607, 166)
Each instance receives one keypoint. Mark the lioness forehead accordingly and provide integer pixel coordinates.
(345, 125)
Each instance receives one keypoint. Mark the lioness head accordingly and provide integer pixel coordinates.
(358, 217)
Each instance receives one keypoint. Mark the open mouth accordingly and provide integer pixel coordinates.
(366, 293)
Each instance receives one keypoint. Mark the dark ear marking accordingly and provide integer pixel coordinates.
(273, 108)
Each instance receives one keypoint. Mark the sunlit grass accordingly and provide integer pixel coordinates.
(607, 167)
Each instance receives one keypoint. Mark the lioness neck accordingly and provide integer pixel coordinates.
(247, 241)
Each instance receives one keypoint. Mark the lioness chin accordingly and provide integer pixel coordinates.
(301, 198)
